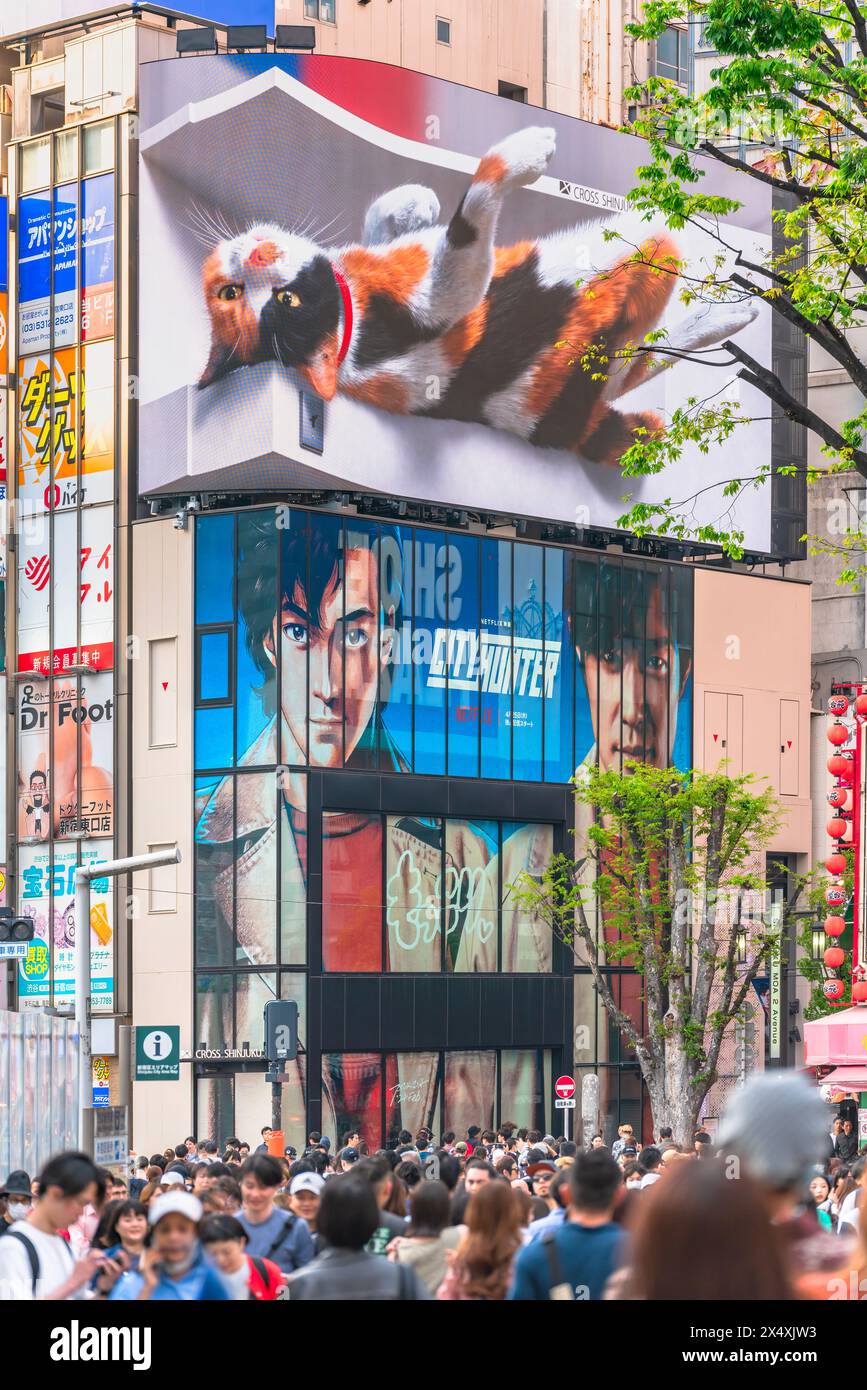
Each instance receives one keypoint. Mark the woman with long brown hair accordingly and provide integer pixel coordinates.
(703, 1235)
(482, 1266)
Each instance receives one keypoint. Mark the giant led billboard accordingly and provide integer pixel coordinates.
(357, 277)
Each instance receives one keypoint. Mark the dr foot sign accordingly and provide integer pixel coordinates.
(157, 1053)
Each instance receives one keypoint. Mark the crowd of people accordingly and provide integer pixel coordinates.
(767, 1208)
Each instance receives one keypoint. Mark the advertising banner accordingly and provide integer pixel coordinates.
(37, 261)
(97, 255)
(4, 295)
(442, 272)
(50, 785)
(47, 893)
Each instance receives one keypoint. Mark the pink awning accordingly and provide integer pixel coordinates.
(845, 1079)
(837, 1040)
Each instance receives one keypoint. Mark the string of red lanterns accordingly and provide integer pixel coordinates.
(840, 767)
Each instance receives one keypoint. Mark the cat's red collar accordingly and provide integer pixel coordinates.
(347, 314)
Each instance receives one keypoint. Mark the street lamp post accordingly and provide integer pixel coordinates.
(84, 875)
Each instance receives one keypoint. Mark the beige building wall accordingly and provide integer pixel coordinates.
(162, 770)
(572, 58)
(752, 688)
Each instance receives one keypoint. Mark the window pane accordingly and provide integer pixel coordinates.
(413, 893)
(522, 1088)
(471, 895)
(65, 155)
(256, 678)
(97, 254)
(214, 666)
(395, 682)
(351, 892)
(97, 425)
(214, 871)
(463, 655)
(293, 870)
(252, 992)
(412, 1098)
(98, 147)
(215, 1110)
(214, 1027)
(362, 632)
(35, 165)
(255, 850)
(527, 682)
(429, 637)
(215, 566)
(470, 1090)
(558, 667)
(352, 1095)
(495, 713)
(527, 939)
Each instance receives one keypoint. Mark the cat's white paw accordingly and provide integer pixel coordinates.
(526, 154)
(713, 324)
(410, 208)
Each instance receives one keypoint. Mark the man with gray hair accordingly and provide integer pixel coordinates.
(776, 1128)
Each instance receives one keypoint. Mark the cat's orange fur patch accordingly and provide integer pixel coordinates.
(233, 321)
(507, 257)
(386, 392)
(396, 274)
(630, 296)
(492, 169)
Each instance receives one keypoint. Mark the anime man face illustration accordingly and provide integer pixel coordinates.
(338, 631)
(634, 673)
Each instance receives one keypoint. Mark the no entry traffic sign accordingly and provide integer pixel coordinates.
(564, 1087)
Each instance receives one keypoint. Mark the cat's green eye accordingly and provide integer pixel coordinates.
(288, 298)
(230, 292)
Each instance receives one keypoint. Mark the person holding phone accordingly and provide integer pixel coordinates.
(173, 1267)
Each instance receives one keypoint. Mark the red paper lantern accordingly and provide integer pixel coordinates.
(838, 704)
(859, 992)
(838, 796)
(835, 926)
(840, 766)
(861, 704)
(836, 864)
(832, 989)
(834, 957)
(835, 895)
(837, 827)
(838, 733)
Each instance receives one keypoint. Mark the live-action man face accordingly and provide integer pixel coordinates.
(633, 667)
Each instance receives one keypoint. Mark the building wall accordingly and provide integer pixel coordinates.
(752, 645)
(161, 795)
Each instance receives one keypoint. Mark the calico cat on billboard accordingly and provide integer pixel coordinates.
(387, 282)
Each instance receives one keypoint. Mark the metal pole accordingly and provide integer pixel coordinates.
(108, 868)
(276, 1105)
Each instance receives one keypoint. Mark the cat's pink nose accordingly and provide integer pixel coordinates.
(263, 254)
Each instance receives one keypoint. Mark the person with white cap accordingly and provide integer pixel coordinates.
(305, 1196)
(174, 1267)
(775, 1125)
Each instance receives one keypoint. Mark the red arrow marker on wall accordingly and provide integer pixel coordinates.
(715, 737)
(789, 742)
(165, 685)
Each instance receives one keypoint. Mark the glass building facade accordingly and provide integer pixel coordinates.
(387, 721)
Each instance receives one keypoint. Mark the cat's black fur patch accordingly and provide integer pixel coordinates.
(301, 332)
(566, 419)
(523, 318)
(460, 232)
(388, 329)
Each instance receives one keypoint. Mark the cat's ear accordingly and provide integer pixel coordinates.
(321, 371)
(220, 363)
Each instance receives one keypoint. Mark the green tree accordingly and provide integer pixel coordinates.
(787, 107)
(675, 864)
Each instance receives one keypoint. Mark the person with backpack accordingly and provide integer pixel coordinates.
(575, 1260)
(271, 1234)
(248, 1276)
(36, 1260)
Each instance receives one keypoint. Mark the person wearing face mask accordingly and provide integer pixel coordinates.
(16, 1198)
(36, 1261)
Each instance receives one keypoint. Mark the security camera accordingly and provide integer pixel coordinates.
(180, 521)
